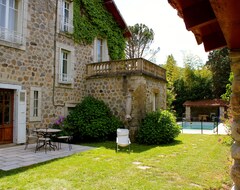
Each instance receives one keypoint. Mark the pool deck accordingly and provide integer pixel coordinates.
(222, 130)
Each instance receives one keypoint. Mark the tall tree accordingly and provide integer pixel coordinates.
(195, 84)
(139, 44)
(172, 74)
(219, 64)
(228, 93)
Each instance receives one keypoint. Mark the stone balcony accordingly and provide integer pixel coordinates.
(138, 66)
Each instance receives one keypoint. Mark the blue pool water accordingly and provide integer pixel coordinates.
(198, 125)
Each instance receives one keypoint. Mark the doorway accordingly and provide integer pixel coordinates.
(6, 116)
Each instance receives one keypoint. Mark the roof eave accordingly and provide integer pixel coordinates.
(112, 8)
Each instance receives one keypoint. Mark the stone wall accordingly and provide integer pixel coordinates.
(115, 90)
(36, 65)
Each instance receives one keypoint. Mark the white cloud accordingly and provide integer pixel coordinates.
(171, 34)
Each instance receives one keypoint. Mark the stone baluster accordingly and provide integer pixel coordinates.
(235, 126)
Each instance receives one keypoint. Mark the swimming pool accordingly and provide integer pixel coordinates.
(198, 125)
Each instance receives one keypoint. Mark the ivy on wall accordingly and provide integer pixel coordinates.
(91, 20)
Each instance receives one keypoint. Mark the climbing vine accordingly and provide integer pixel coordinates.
(91, 20)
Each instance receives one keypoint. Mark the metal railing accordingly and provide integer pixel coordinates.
(199, 126)
(66, 25)
(11, 36)
(65, 78)
(138, 65)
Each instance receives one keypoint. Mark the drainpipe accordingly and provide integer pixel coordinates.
(55, 57)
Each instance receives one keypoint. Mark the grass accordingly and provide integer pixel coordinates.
(191, 162)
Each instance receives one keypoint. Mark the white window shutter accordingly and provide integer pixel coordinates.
(95, 50)
(60, 64)
(20, 133)
(105, 51)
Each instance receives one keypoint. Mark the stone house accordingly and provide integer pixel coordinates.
(44, 73)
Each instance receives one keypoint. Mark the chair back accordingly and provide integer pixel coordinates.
(123, 137)
(30, 132)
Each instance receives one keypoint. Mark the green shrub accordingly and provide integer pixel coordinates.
(91, 120)
(158, 127)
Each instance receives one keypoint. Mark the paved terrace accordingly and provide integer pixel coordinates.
(15, 156)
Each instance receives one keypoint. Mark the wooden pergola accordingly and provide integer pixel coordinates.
(216, 24)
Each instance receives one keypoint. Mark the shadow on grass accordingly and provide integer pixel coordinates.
(111, 145)
(135, 148)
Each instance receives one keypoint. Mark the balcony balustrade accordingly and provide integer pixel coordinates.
(66, 25)
(125, 67)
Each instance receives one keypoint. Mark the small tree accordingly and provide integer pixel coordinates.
(158, 127)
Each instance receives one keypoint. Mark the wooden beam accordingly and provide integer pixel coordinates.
(198, 14)
(214, 41)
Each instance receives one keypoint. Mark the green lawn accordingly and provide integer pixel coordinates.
(191, 162)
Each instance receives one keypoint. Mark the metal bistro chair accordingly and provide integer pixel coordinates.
(44, 138)
(31, 137)
(123, 139)
(66, 139)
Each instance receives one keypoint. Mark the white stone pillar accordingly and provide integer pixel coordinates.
(188, 113)
(235, 111)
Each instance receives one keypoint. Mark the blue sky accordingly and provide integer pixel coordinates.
(171, 34)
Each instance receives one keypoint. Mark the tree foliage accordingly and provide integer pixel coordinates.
(172, 73)
(194, 84)
(139, 44)
(219, 64)
(228, 92)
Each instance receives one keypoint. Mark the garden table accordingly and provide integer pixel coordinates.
(46, 135)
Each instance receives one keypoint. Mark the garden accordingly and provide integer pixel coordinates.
(189, 162)
(162, 158)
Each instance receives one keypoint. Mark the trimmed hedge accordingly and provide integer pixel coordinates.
(158, 127)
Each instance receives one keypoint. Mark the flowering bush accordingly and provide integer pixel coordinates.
(59, 121)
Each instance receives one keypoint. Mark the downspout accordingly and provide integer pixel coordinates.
(55, 57)
(54, 54)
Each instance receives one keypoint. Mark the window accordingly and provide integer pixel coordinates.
(154, 103)
(100, 50)
(65, 63)
(66, 24)
(68, 108)
(65, 67)
(155, 98)
(11, 21)
(35, 103)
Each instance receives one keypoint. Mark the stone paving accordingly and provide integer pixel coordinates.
(16, 157)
